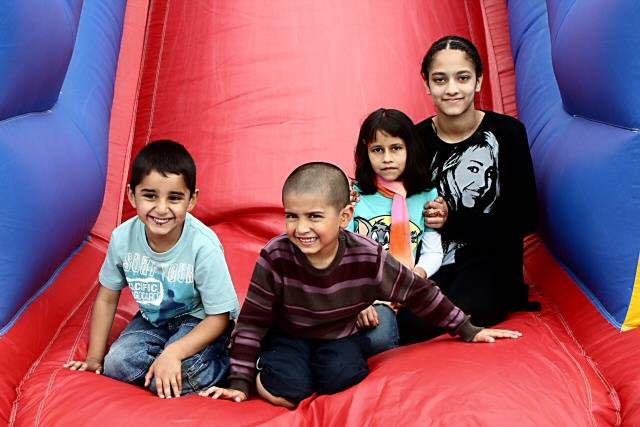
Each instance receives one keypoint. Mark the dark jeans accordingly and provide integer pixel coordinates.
(131, 355)
(294, 368)
(475, 286)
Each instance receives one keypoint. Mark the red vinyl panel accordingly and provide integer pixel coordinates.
(254, 88)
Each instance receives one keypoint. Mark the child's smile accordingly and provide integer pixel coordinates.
(162, 203)
(452, 82)
(313, 226)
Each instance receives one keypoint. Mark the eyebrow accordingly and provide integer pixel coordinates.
(441, 73)
(152, 190)
(286, 212)
(477, 161)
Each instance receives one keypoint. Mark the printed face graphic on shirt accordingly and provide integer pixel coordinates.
(379, 228)
(470, 176)
(474, 175)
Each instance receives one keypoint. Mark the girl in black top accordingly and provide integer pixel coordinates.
(481, 166)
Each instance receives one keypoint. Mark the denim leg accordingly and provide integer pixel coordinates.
(385, 336)
(131, 355)
(209, 366)
(339, 364)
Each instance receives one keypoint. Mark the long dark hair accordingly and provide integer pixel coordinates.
(416, 177)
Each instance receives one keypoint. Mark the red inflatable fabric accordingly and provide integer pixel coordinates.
(545, 378)
(253, 89)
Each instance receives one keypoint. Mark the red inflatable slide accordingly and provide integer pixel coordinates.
(253, 89)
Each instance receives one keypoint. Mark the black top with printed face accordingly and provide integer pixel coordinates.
(489, 185)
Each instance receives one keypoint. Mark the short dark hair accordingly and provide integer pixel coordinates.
(319, 177)
(395, 123)
(164, 156)
(456, 43)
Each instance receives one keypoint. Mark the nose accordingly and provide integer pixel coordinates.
(387, 156)
(302, 227)
(161, 206)
(484, 181)
(452, 87)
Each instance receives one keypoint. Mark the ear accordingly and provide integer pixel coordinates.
(193, 200)
(426, 83)
(131, 196)
(345, 215)
(478, 84)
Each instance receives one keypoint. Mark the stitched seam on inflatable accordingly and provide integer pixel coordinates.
(34, 366)
(610, 391)
(575, 362)
(130, 142)
(87, 318)
(158, 67)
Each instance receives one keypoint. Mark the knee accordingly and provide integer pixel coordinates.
(274, 400)
(337, 372)
(125, 365)
(284, 381)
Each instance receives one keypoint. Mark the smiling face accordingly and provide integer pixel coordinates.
(313, 225)
(388, 156)
(452, 82)
(162, 203)
(474, 175)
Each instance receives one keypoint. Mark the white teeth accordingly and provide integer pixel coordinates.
(160, 221)
(307, 239)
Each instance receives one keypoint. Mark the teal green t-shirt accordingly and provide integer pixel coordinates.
(190, 278)
(372, 217)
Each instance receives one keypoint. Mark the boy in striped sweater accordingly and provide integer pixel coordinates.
(298, 328)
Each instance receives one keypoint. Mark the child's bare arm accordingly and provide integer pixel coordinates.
(104, 310)
(167, 368)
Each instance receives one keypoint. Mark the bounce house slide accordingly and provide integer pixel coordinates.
(254, 88)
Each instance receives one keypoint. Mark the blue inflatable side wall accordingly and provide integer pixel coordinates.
(53, 154)
(36, 44)
(586, 149)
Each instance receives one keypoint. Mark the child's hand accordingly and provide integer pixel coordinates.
(368, 318)
(167, 369)
(419, 271)
(490, 335)
(354, 196)
(436, 213)
(90, 364)
(224, 393)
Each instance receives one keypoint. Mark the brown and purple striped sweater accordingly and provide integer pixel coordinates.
(287, 291)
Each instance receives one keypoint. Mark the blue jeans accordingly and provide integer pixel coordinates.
(385, 336)
(141, 343)
(293, 368)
